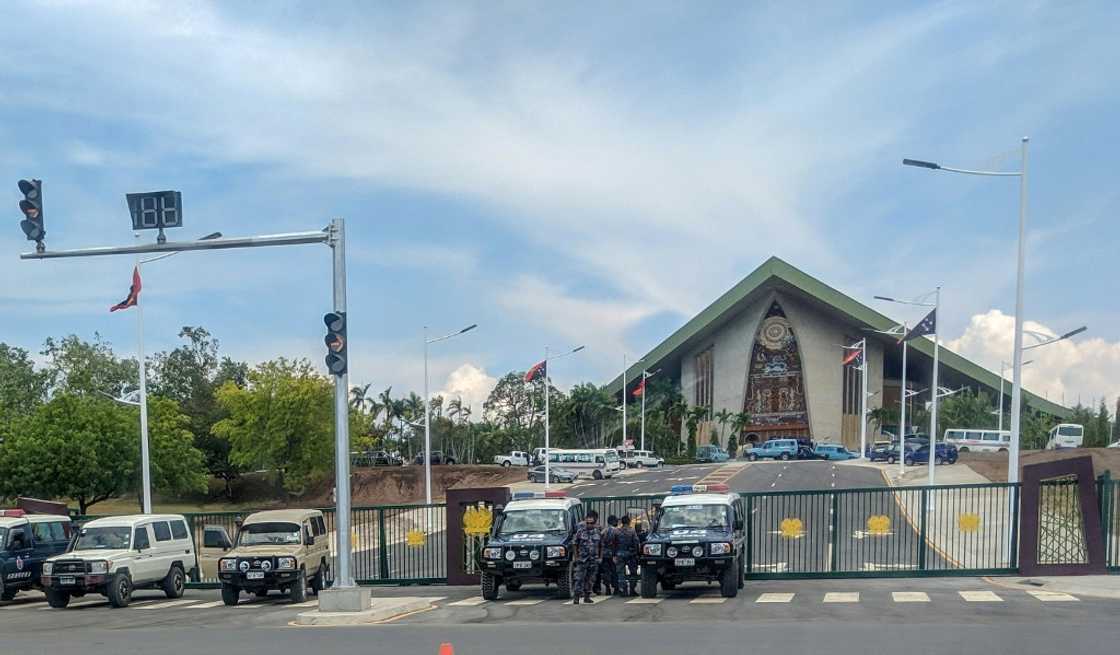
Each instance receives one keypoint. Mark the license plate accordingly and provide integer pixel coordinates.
(67, 579)
(684, 561)
(254, 575)
(522, 565)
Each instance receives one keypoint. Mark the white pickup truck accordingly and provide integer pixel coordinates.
(515, 458)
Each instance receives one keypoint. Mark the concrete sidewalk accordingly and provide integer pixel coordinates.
(1096, 586)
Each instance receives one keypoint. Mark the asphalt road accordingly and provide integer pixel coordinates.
(839, 617)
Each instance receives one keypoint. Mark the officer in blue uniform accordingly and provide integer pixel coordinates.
(588, 545)
(626, 558)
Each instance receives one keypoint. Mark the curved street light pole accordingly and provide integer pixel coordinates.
(428, 409)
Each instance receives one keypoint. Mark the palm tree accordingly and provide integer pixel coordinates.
(359, 396)
(693, 417)
(455, 408)
(722, 417)
(739, 422)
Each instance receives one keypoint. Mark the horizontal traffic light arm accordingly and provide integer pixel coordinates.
(289, 239)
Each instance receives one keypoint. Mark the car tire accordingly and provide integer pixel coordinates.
(940, 461)
(120, 590)
(322, 579)
(784, 457)
(298, 591)
(8, 594)
(742, 573)
(729, 582)
(597, 474)
(909, 461)
(489, 586)
(649, 582)
(230, 594)
(752, 457)
(505, 464)
(963, 449)
(58, 598)
(891, 459)
(565, 583)
(174, 583)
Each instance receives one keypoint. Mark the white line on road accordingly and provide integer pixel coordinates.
(84, 603)
(468, 602)
(209, 605)
(309, 603)
(910, 596)
(170, 603)
(708, 600)
(980, 596)
(1051, 596)
(774, 598)
(525, 603)
(20, 606)
(645, 601)
(842, 597)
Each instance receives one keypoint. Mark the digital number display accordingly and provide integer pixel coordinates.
(155, 210)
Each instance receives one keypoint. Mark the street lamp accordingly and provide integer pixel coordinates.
(1003, 367)
(936, 305)
(428, 409)
(899, 331)
(1017, 356)
(645, 376)
(547, 445)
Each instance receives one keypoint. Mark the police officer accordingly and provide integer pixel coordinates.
(606, 574)
(588, 544)
(626, 558)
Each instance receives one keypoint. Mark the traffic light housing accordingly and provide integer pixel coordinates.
(32, 208)
(336, 342)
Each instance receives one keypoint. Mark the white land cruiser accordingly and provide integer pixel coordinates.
(113, 556)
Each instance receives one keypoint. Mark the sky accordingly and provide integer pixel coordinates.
(563, 174)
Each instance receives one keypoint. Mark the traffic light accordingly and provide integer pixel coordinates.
(32, 208)
(336, 342)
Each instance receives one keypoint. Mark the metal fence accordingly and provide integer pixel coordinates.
(1108, 491)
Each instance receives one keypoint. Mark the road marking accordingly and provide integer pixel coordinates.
(253, 604)
(980, 596)
(37, 604)
(207, 605)
(1051, 596)
(84, 603)
(708, 600)
(171, 603)
(468, 602)
(842, 597)
(774, 598)
(910, 596)
(773, 483)
(308, 603)
(525, 603)
(644, 601)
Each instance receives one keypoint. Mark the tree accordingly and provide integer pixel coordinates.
(283, 420)
(693, 418)
(1100, 433)
(722, 417)
(82, 367)
(87, 449)
(581, 416)
(22, 388)
(1116, 422)
(966, 409)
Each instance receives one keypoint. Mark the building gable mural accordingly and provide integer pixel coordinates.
(775, 398)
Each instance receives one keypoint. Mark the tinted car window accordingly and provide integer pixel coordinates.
(178, 530)
(60, 531)
(213, 539)
(42, 532)
(162, 530)
(140, 540)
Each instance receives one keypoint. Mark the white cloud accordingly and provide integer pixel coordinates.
(1078, 368)
(472, 384)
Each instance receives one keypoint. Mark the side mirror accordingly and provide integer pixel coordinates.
(308, 540)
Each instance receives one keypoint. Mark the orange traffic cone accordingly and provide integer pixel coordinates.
(446, 649)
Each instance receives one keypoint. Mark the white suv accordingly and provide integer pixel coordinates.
(644, 458)
(113, 556)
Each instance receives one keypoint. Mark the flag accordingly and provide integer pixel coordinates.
(855, 357)
(640, 389)
(133, 293)
(928, 325)
(540, 369)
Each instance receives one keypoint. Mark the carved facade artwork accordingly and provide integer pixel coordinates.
(775, 396)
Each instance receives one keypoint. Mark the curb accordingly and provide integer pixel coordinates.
(380, 611)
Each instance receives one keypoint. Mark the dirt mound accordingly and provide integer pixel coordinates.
(994, 465)
(404, 485)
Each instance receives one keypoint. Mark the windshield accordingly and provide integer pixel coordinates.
(103, 539)
(533, 520)
(612, 456)
(713, 517)
(3, 538)
(256, 534)
(1070, 430)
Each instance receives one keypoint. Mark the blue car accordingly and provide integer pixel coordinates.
(783, 449)
(711, 455)
(946, 454)
(835, 452)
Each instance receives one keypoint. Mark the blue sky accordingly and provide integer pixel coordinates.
(563, 175)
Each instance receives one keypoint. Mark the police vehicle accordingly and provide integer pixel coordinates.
(699, 534)
(26, 540)
(531, 541)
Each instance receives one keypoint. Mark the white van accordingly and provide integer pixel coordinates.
(115, 555)
(1065, 435)
(984, 441)
(597, 463)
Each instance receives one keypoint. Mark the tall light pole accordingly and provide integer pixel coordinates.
(1002, 367)
(1017, 355)
(428, 409)
(645, 376)
(900, 331)
(936, 305)
(547, 421)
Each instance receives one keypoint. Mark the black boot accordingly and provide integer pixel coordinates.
(587, 599)
(575, 600)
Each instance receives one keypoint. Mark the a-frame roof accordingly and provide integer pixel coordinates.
(775, 272)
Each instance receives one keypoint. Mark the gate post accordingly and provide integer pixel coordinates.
(834, 533)
(382, 546)
(1016, 512)
(922, 530)
(750, 532)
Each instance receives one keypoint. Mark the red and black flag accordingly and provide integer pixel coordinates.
(640, 389)
(133, 293)
(928, 325)
(855, 357)
(539, 370)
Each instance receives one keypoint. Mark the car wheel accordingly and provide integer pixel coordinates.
(649, 582)
(505, 464)
(909, 461)
(742, 573)
(891, 459)
(564, 583)
(322, 579)
(230, 594)
(752, 457)
(298, 592)
(598, 475)
(58, 598)
(120, 590)
(173, 584)
(489, 586)
(729, 582)
(964, 449)
(785, 457)
(939, 461)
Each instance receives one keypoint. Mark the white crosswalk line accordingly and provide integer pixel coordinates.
(468, 602)
(841, 597)
(525, 603)
(708, 600)
(19, 606)
(1052, 596)
(644, 601)
(980, 596)
(307, 603)
(170, 603)
(83, 603)
(253, 604)
(910, 596)
(774, 598)
(207, 605)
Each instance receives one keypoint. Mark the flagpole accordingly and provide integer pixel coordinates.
(863, 406)
(643, 441)
(547, 468)
(623, 400)
(933, 409)
(902, 416)
(145, 463)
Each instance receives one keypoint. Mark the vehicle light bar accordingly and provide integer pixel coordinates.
(679, 489)
(529, 495)
(14, 513)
